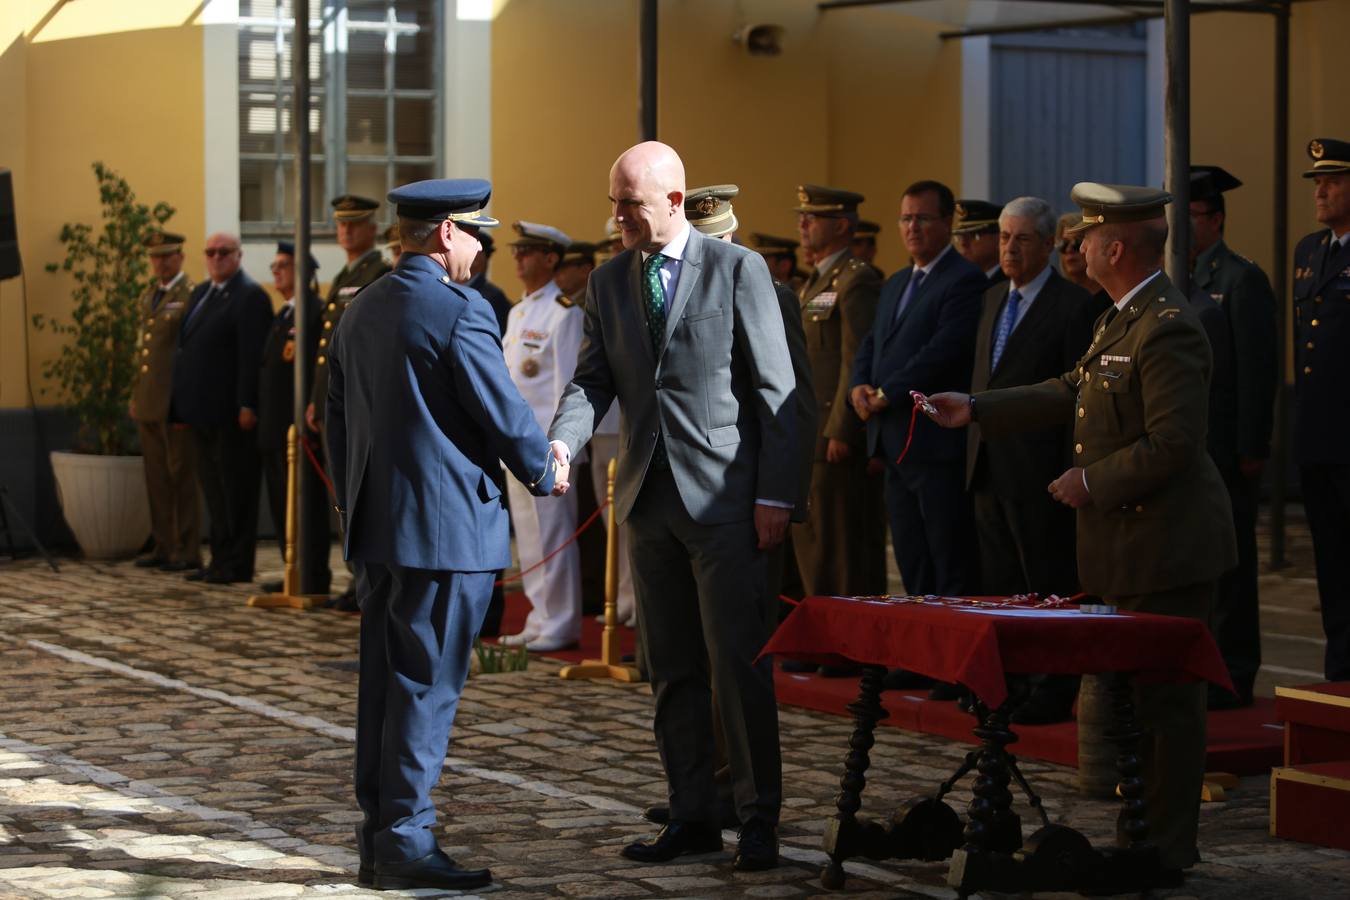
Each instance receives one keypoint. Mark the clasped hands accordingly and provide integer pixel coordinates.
(868, 401)
(771, 522)
(953, 411)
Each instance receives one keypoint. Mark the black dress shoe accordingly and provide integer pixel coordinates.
(223, 578)
(660, 815)
(197, 574)
(343, 602)
(944, 690)
(271, 587)
(758, 847)
(178, 566)
(365, 875)
(676, 839)
(149, 562)
(435, 870)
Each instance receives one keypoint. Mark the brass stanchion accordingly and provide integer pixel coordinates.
(610, 663)
(290, 596)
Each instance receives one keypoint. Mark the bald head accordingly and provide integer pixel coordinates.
(222, 256)
(646, 189)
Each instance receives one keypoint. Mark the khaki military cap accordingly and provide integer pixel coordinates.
(162, 243)
(532, 234)
(771, 245)
(867, 230)
(1114, 204)
(580, 252)
(1329, 156)
(709, 209)
(352, 208)
(976, 217)
(826, 201)
(391, 236)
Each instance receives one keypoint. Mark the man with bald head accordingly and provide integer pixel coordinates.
(215, 391)
(686, 333)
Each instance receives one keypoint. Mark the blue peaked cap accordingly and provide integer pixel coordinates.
(460, 200)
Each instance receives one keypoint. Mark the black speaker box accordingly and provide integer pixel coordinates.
(9, 231)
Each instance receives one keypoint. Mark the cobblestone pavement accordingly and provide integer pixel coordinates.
(159, 739)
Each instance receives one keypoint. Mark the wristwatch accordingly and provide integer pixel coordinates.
(972, 409)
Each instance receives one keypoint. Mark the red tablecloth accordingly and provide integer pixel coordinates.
(976, 648)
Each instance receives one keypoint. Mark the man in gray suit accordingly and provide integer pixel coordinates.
(686, 333)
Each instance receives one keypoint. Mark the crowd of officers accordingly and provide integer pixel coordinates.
(982, 306)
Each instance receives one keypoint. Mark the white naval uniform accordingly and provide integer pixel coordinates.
(543, 337)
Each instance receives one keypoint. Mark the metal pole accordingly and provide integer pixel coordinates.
(304, 300)
(1177, 158)
(1279, 277)
(647, 35)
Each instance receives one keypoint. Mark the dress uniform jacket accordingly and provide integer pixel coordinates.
(1242, 424)
(840, 548)
(350, 279)
(276, 377)
(432, 410)
(1321, 348)
(495, 296)
(1139, 400)
(162, 313)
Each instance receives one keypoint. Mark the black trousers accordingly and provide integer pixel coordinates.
(315, 574)
(1236, 620)
(931, 527)
(230, 471)
(1326, 498)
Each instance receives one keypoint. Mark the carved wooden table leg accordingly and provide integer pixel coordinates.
(843, 834)
(993, 831)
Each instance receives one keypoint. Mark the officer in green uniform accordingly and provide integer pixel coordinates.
(169, 455)
(356, 232)
(841, 547)
(1240, 418)
(781, 255)
(975, 235)
(574, 270)
(1155, 529)
(865, 244)
(1321, 384)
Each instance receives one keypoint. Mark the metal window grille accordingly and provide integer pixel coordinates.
(375, 112)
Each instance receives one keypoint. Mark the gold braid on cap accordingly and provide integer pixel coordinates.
(710, 220)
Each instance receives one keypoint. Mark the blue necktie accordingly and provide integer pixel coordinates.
(910, 290)
(1006, 323)
(654, 297)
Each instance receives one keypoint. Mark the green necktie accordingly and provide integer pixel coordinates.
(655, 297)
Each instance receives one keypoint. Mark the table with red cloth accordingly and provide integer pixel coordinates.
(976, 642)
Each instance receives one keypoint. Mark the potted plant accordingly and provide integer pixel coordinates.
(101, 484)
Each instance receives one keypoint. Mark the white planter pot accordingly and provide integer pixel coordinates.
(104, 502)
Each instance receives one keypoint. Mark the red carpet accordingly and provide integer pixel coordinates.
(1241, 741)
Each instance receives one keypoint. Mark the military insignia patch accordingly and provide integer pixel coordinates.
(1316, 150)
(803, 196)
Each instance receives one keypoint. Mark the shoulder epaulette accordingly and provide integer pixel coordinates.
(564, 301)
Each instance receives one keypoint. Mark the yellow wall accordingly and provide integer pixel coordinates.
(92, 85)
(827, 110)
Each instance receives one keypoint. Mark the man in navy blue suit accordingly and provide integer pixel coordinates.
(923, 339)
(420, 410)
(215, 391)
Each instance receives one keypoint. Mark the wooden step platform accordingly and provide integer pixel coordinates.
(1317, 722)
(1310, 793)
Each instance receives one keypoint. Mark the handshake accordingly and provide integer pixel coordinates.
(562, 459)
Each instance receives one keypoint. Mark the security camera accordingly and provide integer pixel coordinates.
(761, 40)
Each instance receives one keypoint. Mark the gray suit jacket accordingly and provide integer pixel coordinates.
(721, 389)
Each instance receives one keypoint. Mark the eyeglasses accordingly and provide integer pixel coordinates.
(280, 267)
(923, 220)
(1067, 246)
(220, 251)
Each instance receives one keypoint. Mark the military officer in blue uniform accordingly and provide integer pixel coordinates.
(975, 236)
(420, 409)
(1321, 384)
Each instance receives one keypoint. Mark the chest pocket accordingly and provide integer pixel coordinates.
(1113, 378)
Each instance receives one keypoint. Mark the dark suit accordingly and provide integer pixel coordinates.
(420, 410)
(1026, 537)
(276, 414)
(1322, 430)
(783, 573)
(718, 394)
(929, 347)
(1241, 412)
(215, 375)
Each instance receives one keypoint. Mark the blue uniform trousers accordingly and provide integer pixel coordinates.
(417, 632)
